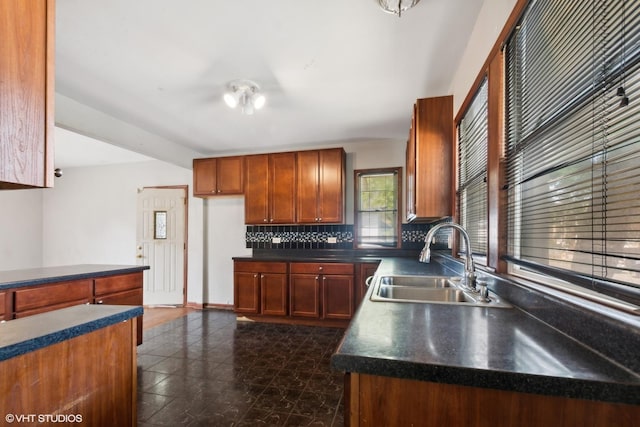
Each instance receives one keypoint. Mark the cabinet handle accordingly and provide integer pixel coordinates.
(320, 268)
(255, 275)
(319, 219)
(271, 220)
(317, 277)
(264, 220)
(262, 276)
(368, 281)
(99, 302)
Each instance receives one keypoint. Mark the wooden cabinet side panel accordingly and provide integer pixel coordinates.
(394, 401)
(24, 107)
(307, 187)
(230, 175)
(204, 177)
(434, 152)
(331, 185)
(118, 283)
(304, 295)
(363, 271)
(337, 296)
(53, 294)
(282, 188)
(411, 170)
(96, 381)
(256, 189)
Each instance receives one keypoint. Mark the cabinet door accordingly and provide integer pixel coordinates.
(256, 189)
(204, 177)
(246, 293)
(52, 296)
(119, 283)
(307, 188)
(282, 188)
(304, 295)
(26, 93)
(230, 175)
(331, 186)
(365, 270)
(337, 297)
(273, 294)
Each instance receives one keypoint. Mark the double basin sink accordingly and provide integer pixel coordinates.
(430, 289)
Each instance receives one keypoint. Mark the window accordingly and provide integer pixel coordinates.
(472, 171)
(573, 144)
(377, 219)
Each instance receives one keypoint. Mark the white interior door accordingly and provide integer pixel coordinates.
(161, 244)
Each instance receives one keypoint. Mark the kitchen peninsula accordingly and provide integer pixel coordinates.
(38, 290)
(439, 364)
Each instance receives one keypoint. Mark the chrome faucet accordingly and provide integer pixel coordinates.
(469, 266)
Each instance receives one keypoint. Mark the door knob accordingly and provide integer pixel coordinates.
(139, 256)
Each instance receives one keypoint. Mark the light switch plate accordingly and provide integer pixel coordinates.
(275, 240)
(332, 240)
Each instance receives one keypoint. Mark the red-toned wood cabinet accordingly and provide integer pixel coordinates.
(260, 287)
(40, 299)
(320, 186)
(218, 176)
(123, 289)
(270, 188)
(430, 159)
(27, 93)
(321, 290)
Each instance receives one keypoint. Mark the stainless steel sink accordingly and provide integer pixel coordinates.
(420, 281)
(429, 290)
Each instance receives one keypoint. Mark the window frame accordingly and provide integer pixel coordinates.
(357, 244)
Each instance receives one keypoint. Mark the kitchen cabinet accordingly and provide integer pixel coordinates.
(372, 400)
(26, 93)
(320, 186)
(321, 290)
(260, 288)
(40, 299)
(430, 160)
(3, 306)
(218, 176)
(270, 188)
(123, 289)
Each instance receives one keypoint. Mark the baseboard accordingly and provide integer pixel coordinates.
(218, 306)
(196, 305)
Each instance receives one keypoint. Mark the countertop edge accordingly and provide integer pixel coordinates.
(491, 379)
(93, 321)
(100, 271)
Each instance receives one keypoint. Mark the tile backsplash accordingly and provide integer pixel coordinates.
(327, 236)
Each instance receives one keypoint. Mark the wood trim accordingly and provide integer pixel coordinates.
(197, 305)
(212, 305)
(288, 320)
(513, 19)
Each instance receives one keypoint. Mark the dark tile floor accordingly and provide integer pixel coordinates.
(208, 369)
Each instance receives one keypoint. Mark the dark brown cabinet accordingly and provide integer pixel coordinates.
(321, 290)
(218, 176)
(430, 159)
(270, 188)
(320, 186)
(26, 93)
(260, 288)
(123, 289)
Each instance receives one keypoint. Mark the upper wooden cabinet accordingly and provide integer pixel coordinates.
(26, 93)
(429, 159)
(218, 176)
(320, 186)
(270, 188)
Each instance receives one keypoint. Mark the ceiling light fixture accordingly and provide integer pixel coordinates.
(245, 94)
(396, 7)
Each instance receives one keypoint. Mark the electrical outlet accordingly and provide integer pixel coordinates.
(332, 240)
(275, 240)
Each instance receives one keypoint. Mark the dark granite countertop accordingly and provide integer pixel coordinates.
(31, 333)
(40, 276)
(501, 348)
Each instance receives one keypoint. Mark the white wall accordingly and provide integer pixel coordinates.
(491, 20)
(90, 216)
(20, 229)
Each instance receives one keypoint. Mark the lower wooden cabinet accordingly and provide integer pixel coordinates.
(363, 272)
(260, 287)
(302, 290)
(122, 289)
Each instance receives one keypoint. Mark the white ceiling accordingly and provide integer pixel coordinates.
(332, 70)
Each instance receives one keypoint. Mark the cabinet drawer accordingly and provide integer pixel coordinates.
(54, 294)
(112, 284)
(45, 309)
(3, 301)
(260, 267)
(131, 297)
(321, 268)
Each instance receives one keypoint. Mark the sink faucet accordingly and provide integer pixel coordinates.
(469, 267)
